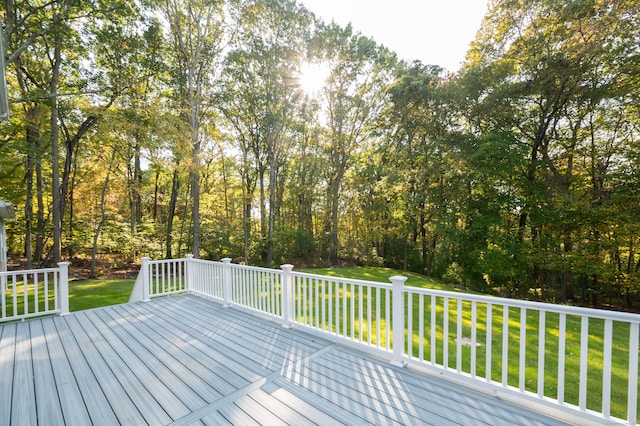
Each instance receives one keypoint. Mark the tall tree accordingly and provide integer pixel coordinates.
(259, 96)
(198, 34)
(354, 95)
(543, 73)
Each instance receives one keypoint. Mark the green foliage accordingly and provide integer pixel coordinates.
(519, 174)
(96, 293)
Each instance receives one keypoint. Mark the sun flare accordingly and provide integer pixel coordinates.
(313, 77)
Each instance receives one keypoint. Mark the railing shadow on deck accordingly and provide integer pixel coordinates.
(577, 360)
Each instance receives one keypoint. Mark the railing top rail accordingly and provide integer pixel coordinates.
(343, 280)
(159, 261)
(516, 303)
(29, 271)
(204, 261)
(256, 268)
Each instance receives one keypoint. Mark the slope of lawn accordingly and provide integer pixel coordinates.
(379, 274)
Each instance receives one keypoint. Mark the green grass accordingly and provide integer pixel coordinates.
(94, 293)
(372, 273)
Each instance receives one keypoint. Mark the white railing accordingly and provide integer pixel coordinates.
(580, 360)
(35, 292)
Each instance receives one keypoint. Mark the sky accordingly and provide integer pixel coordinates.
(437, 32)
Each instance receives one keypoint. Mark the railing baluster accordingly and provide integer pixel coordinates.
(387, 315)
(36, 295)
(474, 321)
(541, 350)
(344, 310)
(421, 326)
(434, 335)
(15, 295)
(505, 346)
(409, 309)
(305, 301)
(562, 347)
(330, 303)
(378, 318)
(523, 350)
(632, 390)
(324, 303)
(25, 300)
(360, 314)
(3, 296)
(459, 335)
(445, 334)
(337, 303)
(353, 311)
(369, 305)
(488, 343)
(298, 299)
(606, 373)
(584, 360)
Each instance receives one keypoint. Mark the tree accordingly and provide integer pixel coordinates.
(258, 97)
(198, 35)
(543, 73)
(353, 96)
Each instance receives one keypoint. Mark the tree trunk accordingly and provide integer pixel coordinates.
(273, 181)
(42, 224)
(103, 216)
(28, 205)
(195, 218)
(55, 153)
(175, 187)
(156, 190)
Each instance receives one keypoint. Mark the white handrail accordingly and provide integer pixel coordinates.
(478, 337)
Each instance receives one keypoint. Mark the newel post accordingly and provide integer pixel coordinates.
(188, 274)
(287, 296)
(226, 281)
(397, 331)
(145, 278)
(63, 297)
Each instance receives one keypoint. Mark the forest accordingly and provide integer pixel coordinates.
(253, 130)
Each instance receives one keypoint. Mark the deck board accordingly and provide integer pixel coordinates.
(23, 389)
(124, 409)
(43, 376)
(72, 403)
(173, 363)
(223, 369)
(185, 360)
(7, 350)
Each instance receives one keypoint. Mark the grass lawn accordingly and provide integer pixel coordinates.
(94, 293)
(372, 273)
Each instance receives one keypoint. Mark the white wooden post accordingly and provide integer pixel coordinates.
(397, 332)
(226, 281)
(145, 278)
(188, 273)
(63, 295)
(287, 296)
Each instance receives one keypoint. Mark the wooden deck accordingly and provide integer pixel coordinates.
(185, 360)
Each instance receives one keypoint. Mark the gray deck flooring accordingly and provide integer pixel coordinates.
(185, 360)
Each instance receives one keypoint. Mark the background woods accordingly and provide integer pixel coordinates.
(161, 128)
